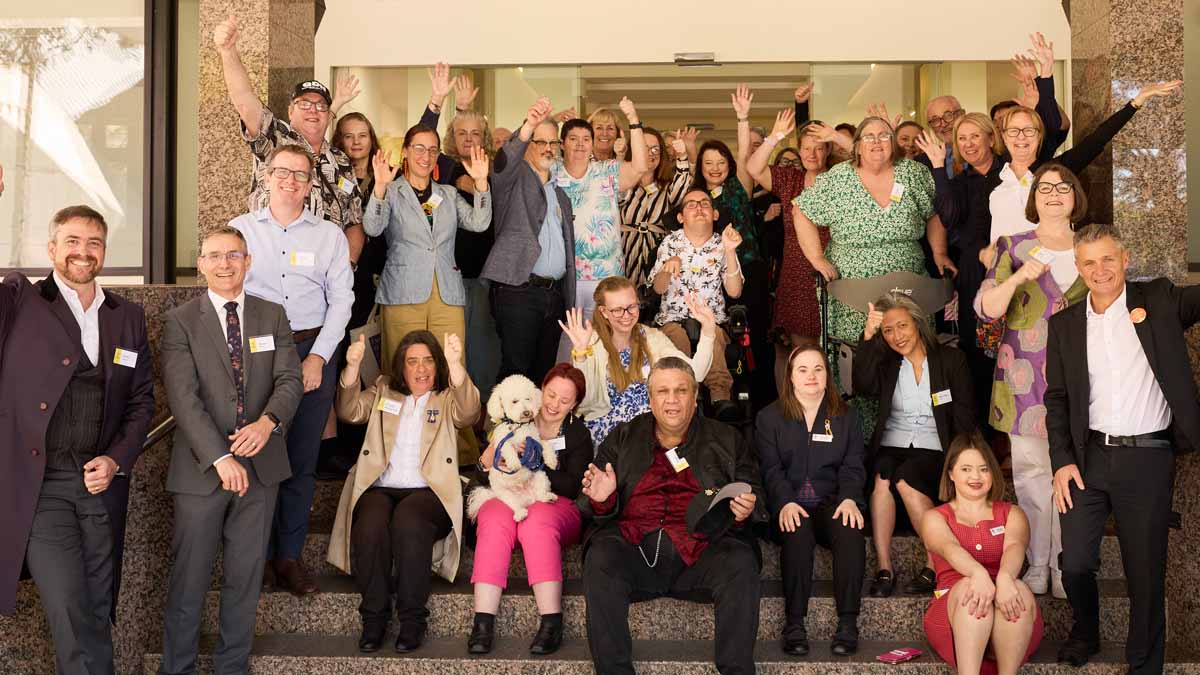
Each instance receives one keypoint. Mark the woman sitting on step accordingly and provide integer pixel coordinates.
(983, 619)
(545, 531)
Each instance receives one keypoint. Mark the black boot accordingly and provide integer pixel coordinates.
(372, 636)
(412, 634)
(845, 639)
(483, 633)
(795, 640)
(549, 635)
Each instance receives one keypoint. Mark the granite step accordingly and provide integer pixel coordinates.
(337, 655)
(334, 611)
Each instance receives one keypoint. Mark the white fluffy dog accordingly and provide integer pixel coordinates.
(512, 407)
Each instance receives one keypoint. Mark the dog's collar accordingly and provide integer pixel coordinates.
(530, 459)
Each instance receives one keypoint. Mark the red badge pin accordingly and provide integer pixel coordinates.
(1138, 315)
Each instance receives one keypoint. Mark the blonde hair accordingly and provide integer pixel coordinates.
(1035, 120)
(985, 125)
(450, 143)
(622, 377)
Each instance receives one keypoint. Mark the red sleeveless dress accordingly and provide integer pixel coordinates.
(986, 548)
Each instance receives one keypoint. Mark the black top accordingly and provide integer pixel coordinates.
(573, 459)
(74, 429)
(471, 249)
(789, 454)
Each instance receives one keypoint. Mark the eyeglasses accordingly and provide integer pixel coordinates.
(877, 138)
(541, 145)
(789, 162)
(628, 310)
(305, 104)
(422, 150)
(230, 256)
(1027, 132)
(946, 118)
(283, 174)
(1060, 188)
(693, 204)
(654, 150)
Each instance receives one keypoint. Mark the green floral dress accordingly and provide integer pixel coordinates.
(867, 240)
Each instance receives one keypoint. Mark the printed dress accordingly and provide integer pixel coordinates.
(593, 198)
(796, 309)
(626, 405)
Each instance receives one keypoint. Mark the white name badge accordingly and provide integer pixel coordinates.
(678, 463)
(1041, 255)
(897, 193)
(942, 397)
(303, 259)
(262, 343)
(651, 188)
(389, 406)
(822, 438)
(997, 530)
(558, 443)
(124, 357)
(717, 191)
(435, 200)
(346, 186)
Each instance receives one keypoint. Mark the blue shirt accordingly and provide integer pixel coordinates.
(304, 266)
(911, 421)
(949, 162)
(552, 262)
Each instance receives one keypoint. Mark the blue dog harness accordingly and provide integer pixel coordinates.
(530, 459)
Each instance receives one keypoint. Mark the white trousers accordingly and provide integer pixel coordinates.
(1034, 482)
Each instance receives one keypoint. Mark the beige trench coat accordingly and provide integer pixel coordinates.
(445, 413)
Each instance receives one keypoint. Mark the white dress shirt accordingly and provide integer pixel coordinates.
(88, 319)
(1007, 204)
(911, 422)
(404, 462)
(1125, 399)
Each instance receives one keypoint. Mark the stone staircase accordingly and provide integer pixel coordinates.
(318, 635)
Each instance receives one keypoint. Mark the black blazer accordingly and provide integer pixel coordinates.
(789, 455)
(877, 369)
(1170, 310)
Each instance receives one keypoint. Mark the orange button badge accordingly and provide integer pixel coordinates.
(1138, 315)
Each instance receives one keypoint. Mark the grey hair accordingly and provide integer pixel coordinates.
(80, 211)
(673, 363)
(224, 230)
(897, 300)
(1097, 231)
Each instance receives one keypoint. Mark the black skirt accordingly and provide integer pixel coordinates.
(920, 468)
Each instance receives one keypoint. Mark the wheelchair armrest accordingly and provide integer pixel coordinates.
(738, 322)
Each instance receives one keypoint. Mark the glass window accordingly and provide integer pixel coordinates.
(71, 124)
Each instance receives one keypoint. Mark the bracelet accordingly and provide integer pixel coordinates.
(743, 119)
(581, 355)
(435, 107)
(636, 125)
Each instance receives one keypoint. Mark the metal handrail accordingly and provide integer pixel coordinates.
(159, 432)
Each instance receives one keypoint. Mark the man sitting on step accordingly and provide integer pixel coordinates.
(663, 474)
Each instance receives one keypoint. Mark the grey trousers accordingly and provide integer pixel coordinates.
(70, 557)
(242, 525)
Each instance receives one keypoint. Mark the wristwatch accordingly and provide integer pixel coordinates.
(636, 125)
(278, 430)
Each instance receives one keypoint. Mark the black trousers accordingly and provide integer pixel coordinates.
(1135, 485)
(395, 529)
(614, 575)
(527, 321)
(796, 560)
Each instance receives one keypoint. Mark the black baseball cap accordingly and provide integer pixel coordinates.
(312, 86)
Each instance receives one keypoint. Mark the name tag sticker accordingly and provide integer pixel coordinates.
(124, 357)
(346, 185)
(435, 200)
(942, 397)
(557, 443)
(678, 463)
(262, 343)
(717, 191)
(1041, 255)
(389, 406)
(997, 530)
(822, 438)
(303, 259)
(897, 193)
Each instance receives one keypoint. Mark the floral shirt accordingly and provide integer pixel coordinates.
(702, 272)
(597, 218)
(626, 405)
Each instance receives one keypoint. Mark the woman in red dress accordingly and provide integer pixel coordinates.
(983, 619)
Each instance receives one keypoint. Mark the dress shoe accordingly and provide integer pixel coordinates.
(845, 639)
(925, 582)
(883, 584)
(372, 637)
(726, 411)
(483, 634)
(293, 578)
(269, 581)
(1076, 653)
(795, 640)
(1037, 579)
(549, 636)
(412, 634)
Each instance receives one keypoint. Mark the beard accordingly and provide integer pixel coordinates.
(77, 275)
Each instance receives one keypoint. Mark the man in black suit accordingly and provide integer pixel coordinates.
(1120, 401)
(233, 382)
(76, 401)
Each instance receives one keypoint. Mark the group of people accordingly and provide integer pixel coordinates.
(600, 259)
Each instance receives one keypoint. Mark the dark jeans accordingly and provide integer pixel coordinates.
(527, 320)
(1134, 485)
(303, 445)
(395, 529)
(796, 560)
(614, 575)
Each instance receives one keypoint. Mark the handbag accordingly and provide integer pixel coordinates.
(370, 367)
(988, 335)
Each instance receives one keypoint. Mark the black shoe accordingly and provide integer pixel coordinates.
(845, 639)
(795, 640)
(483, 634)
(923, 583)
(372, 637)
(1077, 652)
(549, 636)
(726, 411)
(882, 585)
(411, 635)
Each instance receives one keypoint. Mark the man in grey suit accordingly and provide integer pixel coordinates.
(233, 383)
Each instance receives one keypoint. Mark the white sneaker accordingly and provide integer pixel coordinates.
(1056, 585)
(1038, 579)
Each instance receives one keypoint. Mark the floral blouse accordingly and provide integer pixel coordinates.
(597, 218)
(626, 405)
(702, 272)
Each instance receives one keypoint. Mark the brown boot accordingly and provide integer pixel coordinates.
(293, 578)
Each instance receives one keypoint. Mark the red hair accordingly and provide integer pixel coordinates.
(571, 374)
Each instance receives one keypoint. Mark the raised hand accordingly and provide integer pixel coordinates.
(880, 110)
(790, 517)
(356, 351)
(477, 168)
(453, 349)
(439, 80)
(1029, 96)
(619, 147)
(347, 90)
(599, 485)
(384, 172)
(822, 132)
(931, 144)
(700, 311)
(730, 238)
(1155, 90)
(577, 329)
(538, 112)
(742, 98)
(464, 92)
(225, 35)
(568, 114)
(1043, 51)
(785, 123)
(678, 144)
(874, 321)
(803, 92)
(627, 107)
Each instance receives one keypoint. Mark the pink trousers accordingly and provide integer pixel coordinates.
(545, 531)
